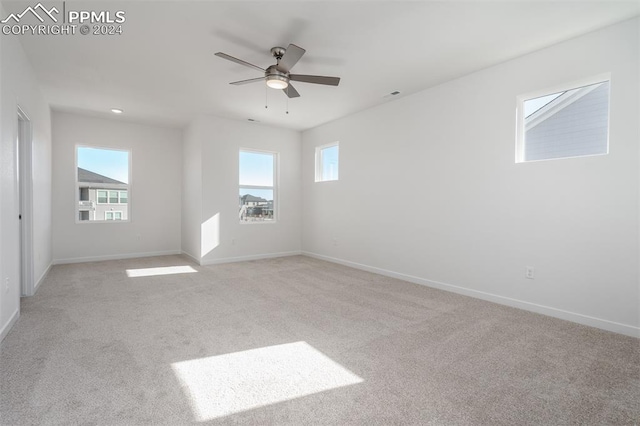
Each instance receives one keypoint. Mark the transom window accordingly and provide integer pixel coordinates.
(573, 122)
(258, 192)
(102, 181)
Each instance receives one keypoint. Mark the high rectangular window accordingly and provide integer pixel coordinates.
(327, 162)
(102, 181)
(257, 184)
(567, 123)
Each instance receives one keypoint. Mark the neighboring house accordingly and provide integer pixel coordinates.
(101, 198)
(255, 207)
(572, 124)
(252, 201)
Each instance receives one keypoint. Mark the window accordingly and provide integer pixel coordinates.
(327, 162)
(258, 192)
(112, 197)
(111, 215)
(102, 179)
(102, 197)
(566, 123)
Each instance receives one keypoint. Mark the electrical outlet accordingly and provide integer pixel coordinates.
(6, 285)
(529, 272)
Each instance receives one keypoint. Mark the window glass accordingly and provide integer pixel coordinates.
(102, 179)
(569, 123)
(327, 162)
(257, 193)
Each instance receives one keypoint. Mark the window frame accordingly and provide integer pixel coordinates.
(274, 188)
(563, 87)
(319, 164)
(128, 188)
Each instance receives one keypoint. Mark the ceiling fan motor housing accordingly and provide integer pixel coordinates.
(273, 73)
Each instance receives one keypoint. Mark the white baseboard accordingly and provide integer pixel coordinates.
(603, 324)
(190, 256)
(251, 257)
(7, 327)
(114, 257)
(42, 276)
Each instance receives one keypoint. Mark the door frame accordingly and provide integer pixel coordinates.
(24, 151)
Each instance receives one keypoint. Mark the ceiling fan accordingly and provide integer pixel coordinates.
(278, 76)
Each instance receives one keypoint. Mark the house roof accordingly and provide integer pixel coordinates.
(249, 197)
(88, 176)
(558, 103)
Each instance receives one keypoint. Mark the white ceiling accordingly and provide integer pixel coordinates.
(163, 69)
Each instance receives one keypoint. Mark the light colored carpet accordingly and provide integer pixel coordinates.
(299, 341)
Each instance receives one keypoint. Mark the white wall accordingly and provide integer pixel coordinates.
(19, 87)
(222, 237)
(429, 190)
(192, 190)
(155, 190)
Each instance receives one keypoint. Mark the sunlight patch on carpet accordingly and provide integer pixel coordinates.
(167, 270)
(221, 385)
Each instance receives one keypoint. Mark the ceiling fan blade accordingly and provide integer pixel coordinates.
(316, 79)
(291, 91)
(238, 61)
(251, 80)
(290, 58)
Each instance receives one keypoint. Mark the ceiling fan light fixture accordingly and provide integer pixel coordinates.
(277, 82)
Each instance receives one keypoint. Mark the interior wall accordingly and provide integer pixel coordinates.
(19, 87)
(222, 237)
(429, 190)
(192, 190)
(155, 190)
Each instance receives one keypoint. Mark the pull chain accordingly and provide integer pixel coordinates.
(287, 99)
(266, 97)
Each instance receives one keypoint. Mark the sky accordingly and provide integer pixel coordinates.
(256, 169)
(532, 105)
(106, 162)
(330, 163)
